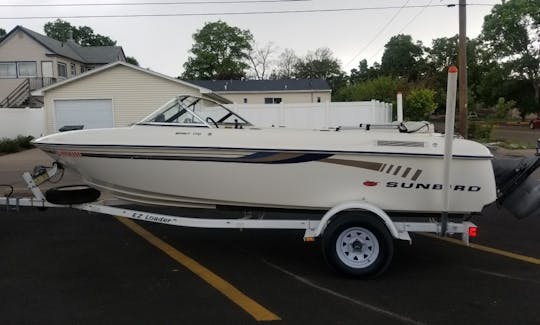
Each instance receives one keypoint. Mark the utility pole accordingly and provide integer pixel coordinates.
(462, 69)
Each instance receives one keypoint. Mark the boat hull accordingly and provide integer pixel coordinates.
(281, 179)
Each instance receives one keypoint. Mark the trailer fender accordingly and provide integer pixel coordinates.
(397, 234)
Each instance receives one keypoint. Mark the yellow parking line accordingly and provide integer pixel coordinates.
(249, 305)
(492, 250)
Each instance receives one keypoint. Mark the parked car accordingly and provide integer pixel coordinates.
(473, 115)
(534, 124)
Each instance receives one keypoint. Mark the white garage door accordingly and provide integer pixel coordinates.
(92, 113)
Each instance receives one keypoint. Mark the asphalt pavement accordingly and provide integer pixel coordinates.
(65, 266)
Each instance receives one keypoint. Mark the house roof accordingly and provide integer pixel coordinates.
(99, 54)
(263, 85)
(70, 49)
(207, 92)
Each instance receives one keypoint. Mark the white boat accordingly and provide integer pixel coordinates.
(194, 152)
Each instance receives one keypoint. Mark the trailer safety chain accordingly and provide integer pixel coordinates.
(11, 189)
(8, 196)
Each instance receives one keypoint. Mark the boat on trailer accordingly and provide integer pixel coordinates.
(194, 152)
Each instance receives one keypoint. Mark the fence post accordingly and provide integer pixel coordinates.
(399, 107)
(373, 111)
(326, 115)
(281, 115)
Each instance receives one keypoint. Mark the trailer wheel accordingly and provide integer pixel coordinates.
(359, 246)
(72, 194)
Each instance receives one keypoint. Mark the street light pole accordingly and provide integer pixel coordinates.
(462, 69)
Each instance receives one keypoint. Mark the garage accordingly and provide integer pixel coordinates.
(91, 113)
(88, 99)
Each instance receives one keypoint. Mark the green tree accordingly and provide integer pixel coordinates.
(419, 104)
(441, 55)
(492, 84)
(82, 35)
(512, 33)
(220, 52)
(132, 60)
(320, 64)
(364, 73)
(402, 58)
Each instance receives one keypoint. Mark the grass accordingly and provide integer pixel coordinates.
(483, 131)
(515, 146)
(20, 143)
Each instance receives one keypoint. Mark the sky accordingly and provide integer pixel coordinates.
(352, 29)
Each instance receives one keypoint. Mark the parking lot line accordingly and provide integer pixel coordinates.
(492, 250)
(249, 305)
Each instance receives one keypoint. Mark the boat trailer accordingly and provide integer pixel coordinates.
(357, 237)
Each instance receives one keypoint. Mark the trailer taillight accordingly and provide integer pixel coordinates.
(473, 231)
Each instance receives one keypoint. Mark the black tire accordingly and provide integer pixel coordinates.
(72, 194)
(370, 248)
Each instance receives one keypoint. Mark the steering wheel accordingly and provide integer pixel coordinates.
(211, 120)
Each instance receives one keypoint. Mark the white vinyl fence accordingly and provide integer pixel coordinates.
(21, 121)
(31, 121)
(315, 115)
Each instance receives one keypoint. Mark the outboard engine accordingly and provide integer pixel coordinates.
(516, 191)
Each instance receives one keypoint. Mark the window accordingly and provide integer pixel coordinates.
(272, 100)
(73, 69)
(62, 70)
(27, 69)
(18, 69)
(82, 68)
(8, 70)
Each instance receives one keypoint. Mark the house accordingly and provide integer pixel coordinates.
(288, 91)
(114, 95)
(29, 61)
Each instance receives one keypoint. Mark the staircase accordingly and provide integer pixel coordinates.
(21, 96)
(18, 96)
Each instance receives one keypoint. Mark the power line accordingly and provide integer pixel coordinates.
(377, 35)
(406, 25)
(145, 3)
(229, 13)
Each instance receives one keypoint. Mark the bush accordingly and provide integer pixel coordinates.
(8, 145)
(419, 104)
(25, 141)
(382, 89)
(503, 107)
(480, 131)
(14, 145)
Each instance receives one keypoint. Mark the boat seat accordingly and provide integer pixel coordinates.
(159, 118)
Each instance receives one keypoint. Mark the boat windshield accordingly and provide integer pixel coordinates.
(195, 112)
